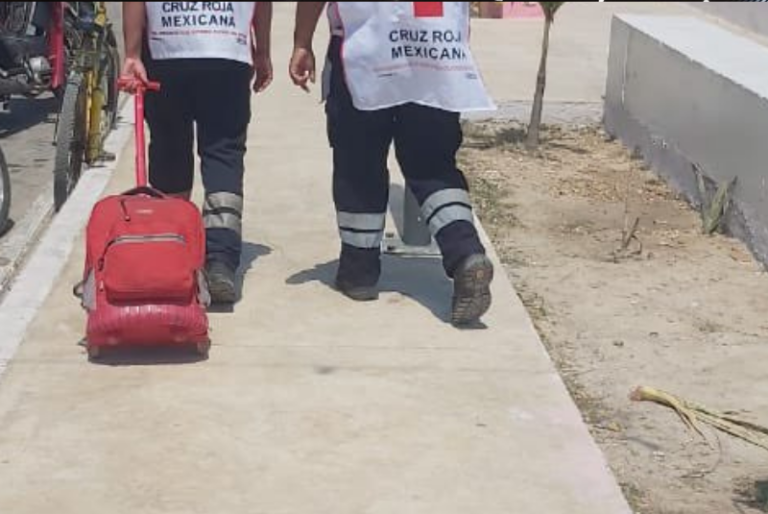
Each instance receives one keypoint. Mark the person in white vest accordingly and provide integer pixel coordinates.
(402, 72)
(205, 57)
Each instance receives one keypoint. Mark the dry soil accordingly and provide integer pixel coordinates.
(673, 309)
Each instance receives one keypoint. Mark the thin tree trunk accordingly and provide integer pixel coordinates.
(532, 140)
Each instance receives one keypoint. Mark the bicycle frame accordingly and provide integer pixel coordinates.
(96, 97)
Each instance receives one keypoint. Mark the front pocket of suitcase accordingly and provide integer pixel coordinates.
(148, 269)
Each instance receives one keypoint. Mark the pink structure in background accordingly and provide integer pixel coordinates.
(510, 10)
(522, 10)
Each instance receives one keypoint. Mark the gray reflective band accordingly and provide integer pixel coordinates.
(366, 221)
(225, 220)
(444, 197)
(223, 210)
(448, 215)
(361, 239)
(223, 200)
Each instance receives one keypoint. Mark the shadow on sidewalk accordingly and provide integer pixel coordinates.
(421, 279)
(149, 356)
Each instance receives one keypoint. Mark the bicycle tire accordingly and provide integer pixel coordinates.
(5, 194)
(113, 93)
(73, 44)
(70, 140)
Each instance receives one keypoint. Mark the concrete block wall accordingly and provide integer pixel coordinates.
(682, 91)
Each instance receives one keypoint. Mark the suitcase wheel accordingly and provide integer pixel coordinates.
(94, 352)
(204, 348)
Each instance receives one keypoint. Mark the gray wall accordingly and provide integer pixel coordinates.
(685, 91)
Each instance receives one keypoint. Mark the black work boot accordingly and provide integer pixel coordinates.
(471, 289)
(358, 273)
(221, 282)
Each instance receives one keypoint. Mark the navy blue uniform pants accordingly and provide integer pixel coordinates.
(212, 96)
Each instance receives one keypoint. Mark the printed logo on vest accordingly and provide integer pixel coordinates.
(198, 14)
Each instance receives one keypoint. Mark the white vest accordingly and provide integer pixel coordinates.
(409, 52)
(200, 30)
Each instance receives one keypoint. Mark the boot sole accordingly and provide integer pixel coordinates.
(359, 294)
(472, 292)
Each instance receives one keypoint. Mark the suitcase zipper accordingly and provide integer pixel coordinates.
(128, 239)
(154, 238)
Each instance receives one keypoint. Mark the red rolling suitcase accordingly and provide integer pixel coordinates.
(143, 282)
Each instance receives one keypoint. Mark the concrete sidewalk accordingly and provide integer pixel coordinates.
(309, 403)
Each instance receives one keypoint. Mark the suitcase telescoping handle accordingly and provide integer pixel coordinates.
(139, 88)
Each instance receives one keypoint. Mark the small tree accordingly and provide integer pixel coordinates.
(532, 139)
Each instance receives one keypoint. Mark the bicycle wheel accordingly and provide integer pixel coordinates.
(70, 140)
(5, 194)
(111, 75)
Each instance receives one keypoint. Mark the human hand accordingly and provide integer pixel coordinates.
(302, 67)
(133, 72)
(262, 64)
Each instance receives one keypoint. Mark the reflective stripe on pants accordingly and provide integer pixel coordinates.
(445, 207)
(223, 210)
(361, 230)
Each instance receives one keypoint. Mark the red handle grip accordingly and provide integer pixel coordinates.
(127, 84)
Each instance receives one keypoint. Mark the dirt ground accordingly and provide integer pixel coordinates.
(675, 310)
